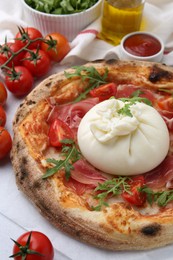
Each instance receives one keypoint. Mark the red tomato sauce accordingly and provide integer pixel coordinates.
(142, 45)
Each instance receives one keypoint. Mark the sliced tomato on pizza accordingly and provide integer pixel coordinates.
(134, 196)
(104, 92)
(59, 131)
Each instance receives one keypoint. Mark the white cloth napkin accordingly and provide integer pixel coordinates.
(10, 18)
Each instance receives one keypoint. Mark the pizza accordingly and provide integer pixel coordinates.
(93, 151)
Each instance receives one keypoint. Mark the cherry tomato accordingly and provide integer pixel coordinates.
(28, 33)
(5, 142)
(37, 62)
(57, 48)
(34, 241)
(3, 94)
(134, 196)
(104, 91)
(19, 81)
(6, 51)
(2, 116)
(58, 131)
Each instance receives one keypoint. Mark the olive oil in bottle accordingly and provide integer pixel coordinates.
(119, 18)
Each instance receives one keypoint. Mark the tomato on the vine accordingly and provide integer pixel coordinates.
(57, 46)
(28, 33)
(2, 116)
(37, 62)
(7, 50)
(5, 142)
(33, 246)
(58, 131)
(3, 94)
(19, 81)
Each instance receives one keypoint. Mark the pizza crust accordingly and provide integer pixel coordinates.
(118, 227)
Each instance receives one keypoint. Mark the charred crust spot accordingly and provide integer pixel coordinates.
(18, 146)
(30, 102)
(48, 84)
(21, 105)
(24, 160)
(37, 184)
(78, 234)
(151, 230)
(17, 118)
(23, 170)
(158, 74)
(42, 205)
(23, 175)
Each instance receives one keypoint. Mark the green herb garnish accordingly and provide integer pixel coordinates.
(70, 153)
(61, 6)
(125, 110)
(112, 187)
(137, 93)
(118, 185)
(161, 198)
(92, 76)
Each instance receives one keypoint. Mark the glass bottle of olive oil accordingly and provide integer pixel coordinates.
(119, 18)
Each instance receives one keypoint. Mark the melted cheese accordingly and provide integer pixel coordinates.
(121, 144)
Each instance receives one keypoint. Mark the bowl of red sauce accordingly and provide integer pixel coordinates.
(142, 46)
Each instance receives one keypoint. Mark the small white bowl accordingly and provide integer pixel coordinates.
(69, 25)
(141, 46)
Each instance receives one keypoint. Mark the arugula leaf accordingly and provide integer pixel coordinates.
(71, 155)
(161, 198)
(113, 187)
(101, 203)
(118, 185)
(125, 110)
(89, 74)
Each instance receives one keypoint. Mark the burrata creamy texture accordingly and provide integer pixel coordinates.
(123, 143)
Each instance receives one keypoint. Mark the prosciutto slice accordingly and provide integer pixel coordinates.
(168, 118)
(77, 187)
(127, 91)
(162, 175)
(84, 177)
(85, 173)
(72, 114)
